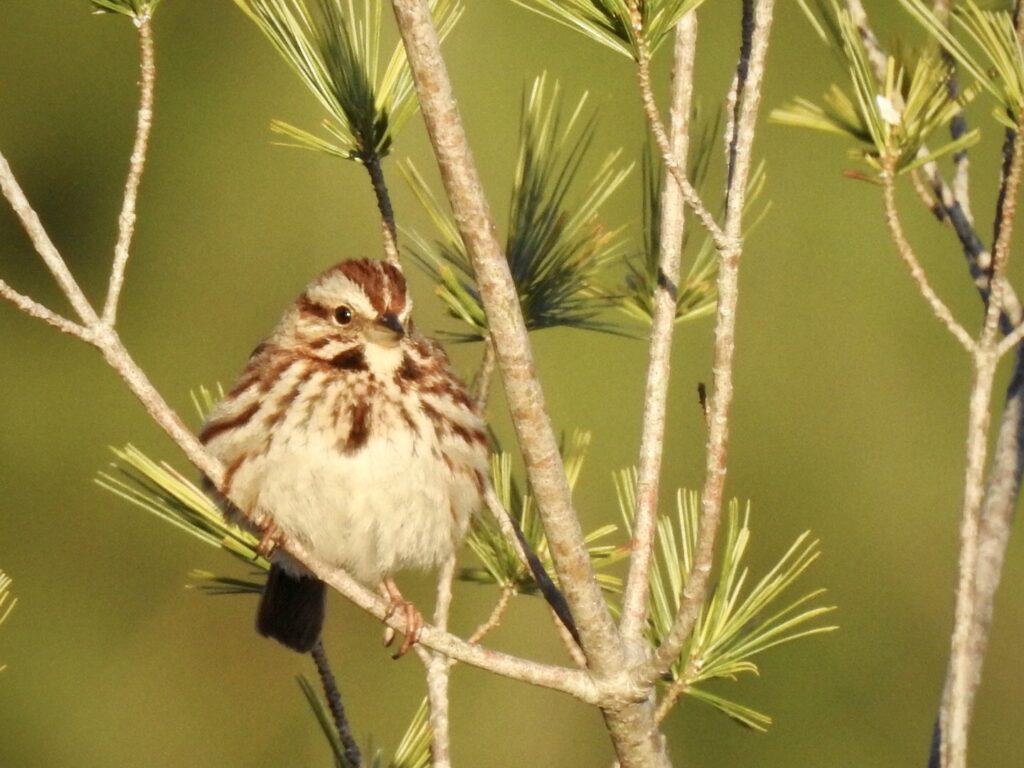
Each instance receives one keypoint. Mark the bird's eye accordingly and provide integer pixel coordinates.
(343, 315)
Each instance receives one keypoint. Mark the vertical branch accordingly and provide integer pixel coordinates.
(968, 641)
(634, 604)
(658, 130)
(438, 673)
(334, 703)
(43, 244)
(126, 221)
(695, 590)
(389, 231)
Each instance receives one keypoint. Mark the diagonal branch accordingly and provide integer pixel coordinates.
(906, 251)
(33, 308)
(43, 244)
(748, 97)
(126, 221)
(508, 333)
(652, 441)
(661, 137)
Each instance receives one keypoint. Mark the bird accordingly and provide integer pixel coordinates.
(351, 433)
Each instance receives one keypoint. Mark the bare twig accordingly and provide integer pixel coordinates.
(513, 534)
(671, 696)
(695, 590)
(906, 251)
(658, 130)
(634, 602)
(33, 308)
(876, 56)
(334, 703)
(388, 230)
(126, 221)
(494, 619)
(44, 246)
(438, 673)
(482, 383)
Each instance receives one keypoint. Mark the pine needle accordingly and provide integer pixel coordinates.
(556, 244)
(889, 119)
(737, 623)
(334, 48)
(607, 22)
(136, 9)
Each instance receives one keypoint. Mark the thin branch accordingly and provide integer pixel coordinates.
(1011, 340)
(334, 703)
(438, 673)
(513, 534)
(634, 603)
(906, 251)
(389, 231)
(672, 695)
(876, 55)
(494, 619)
(658, 130)
(482, 383)
(33, 308)
(42, 243)
(695, 590)
(126, 220)
(574, 682)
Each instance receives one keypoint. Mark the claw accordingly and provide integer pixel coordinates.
(413, 619)
(272, 538)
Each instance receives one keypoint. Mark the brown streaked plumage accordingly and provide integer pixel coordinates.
(351, 433)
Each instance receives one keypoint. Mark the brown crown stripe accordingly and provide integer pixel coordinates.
(214, 428)
(359, 429)
(352, 359)
(378, 279)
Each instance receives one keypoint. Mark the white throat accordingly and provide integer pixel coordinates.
(383, 361)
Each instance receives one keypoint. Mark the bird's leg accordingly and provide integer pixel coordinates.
(272, 538)
(413, 618)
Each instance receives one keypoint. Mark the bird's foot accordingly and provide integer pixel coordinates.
(273, 537)
(413, 619)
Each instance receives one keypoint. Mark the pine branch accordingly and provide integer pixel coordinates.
(695, 591)
(664, 300)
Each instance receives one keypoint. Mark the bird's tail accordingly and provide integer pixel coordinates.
(291, 609)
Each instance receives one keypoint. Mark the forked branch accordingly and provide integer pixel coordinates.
(652, 441)
(748, 96)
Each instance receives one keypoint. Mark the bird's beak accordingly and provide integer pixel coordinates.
(389, 328)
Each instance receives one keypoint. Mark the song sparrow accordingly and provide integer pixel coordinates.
(350, 433)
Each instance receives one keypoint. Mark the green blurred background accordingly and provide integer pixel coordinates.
(849, 416)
